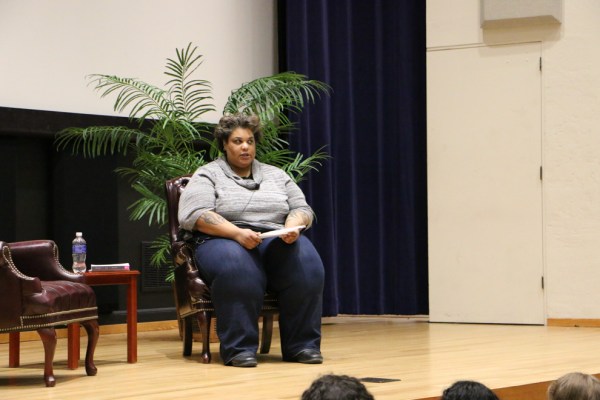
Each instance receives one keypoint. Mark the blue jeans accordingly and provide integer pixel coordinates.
(238, 279)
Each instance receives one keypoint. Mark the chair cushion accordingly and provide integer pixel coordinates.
(59, 303)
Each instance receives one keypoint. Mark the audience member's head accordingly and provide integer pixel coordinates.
(575, 386)
(337, 387)
(468, 390)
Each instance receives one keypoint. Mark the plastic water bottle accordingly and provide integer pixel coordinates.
(79, 253)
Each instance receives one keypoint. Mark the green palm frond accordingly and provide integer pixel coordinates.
(169, 165)
(162, 254)
(154, 169)
(144, 100)
(278, 158)
(189, 95)
(299, 167)
(272, 97)
(163, 244)
(151, 206)
(274, 134)
(97, 141)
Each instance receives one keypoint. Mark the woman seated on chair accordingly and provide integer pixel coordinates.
(226, 205)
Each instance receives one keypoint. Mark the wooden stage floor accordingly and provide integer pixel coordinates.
(418, 358)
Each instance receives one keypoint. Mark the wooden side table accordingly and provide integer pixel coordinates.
(128, 278)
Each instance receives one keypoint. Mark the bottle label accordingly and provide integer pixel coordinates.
(79, 248)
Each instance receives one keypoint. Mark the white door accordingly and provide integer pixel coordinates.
(484, 186)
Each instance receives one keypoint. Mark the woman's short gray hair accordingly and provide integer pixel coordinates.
(230, 122)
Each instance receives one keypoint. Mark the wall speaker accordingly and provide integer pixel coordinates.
(507, 13)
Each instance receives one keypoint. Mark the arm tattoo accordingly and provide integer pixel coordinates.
(298, 213)
(212, 218)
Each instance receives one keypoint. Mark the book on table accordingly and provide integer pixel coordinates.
(109, 267)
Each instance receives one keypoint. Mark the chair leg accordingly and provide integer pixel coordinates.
(180, 321)
(93, 330)
(187, 335)
(14, 349)
(48, 336)
(267, 333)
(204, 322)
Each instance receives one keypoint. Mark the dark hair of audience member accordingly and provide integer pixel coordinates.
(468, 390)
(337, 387)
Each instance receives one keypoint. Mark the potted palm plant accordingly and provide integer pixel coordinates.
(169, 137)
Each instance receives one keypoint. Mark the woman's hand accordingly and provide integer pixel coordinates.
(294, 218)
(291, 237)
(248, 238)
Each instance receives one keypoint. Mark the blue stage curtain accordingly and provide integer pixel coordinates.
(370, 197)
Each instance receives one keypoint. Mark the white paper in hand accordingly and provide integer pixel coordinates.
(279, 232)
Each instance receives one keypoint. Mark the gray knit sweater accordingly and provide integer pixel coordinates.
(262, 202)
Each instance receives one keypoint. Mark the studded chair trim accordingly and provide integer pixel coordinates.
(27, 325)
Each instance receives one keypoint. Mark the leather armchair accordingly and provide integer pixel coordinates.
(192, 295)
(37, 293)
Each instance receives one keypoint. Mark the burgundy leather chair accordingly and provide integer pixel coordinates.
(192, 295)
(37, 293)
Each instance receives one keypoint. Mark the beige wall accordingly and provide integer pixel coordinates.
(570, 140)
(47, 47)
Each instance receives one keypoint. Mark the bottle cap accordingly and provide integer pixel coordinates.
(78, 234)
